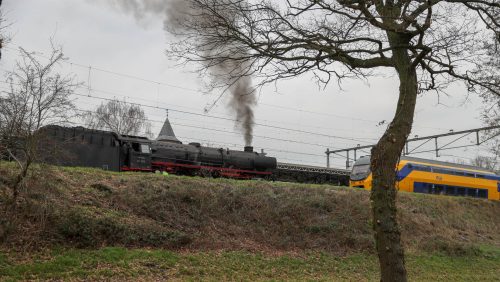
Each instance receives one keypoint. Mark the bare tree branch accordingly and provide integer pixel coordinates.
(119, 117)
(37, 96)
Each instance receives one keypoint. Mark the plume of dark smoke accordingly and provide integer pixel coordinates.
(242, 102)
(229, 72)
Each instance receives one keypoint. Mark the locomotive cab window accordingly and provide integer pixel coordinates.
(145, 149)
(136, 147)
(141, 148)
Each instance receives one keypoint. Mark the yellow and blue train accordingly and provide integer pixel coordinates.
(433, 177)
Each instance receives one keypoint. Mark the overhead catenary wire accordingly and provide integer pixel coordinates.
(161, 122)
(231, 119)
(173, 105)
(72, 63)
(216, 117)
(231, 132)
(227, 119)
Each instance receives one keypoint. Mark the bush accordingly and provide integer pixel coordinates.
(448, 247)
(84, 229)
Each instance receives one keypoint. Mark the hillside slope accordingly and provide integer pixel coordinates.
(78, 207)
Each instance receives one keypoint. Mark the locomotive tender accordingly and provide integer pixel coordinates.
(79, 146)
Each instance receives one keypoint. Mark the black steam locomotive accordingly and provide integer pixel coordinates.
(78, 146)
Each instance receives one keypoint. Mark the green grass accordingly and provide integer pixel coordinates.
(130, 264)
(61, 264)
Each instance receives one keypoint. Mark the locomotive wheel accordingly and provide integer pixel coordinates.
(204, 172)
(215, 174)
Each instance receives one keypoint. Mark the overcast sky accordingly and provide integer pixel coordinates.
(122, 58)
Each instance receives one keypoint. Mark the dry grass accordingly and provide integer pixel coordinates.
(78, 207)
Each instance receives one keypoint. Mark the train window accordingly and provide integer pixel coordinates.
(360, 169)
(429, 188)
(136, 147)
(482, 193)
(471, 192)
(461, 191)
(145, 149)
(449, 190)
(424, 168)
(438, 189)
(480, 176)
(419, 187)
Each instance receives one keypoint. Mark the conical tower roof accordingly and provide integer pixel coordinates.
(167, 133)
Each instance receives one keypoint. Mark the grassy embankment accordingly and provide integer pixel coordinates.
(75, 223)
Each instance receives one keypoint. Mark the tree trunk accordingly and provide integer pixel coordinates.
(384, 158)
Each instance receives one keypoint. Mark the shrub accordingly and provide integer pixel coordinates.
(449, 247)
(84, 228)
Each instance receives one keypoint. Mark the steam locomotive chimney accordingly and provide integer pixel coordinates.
(248, 149)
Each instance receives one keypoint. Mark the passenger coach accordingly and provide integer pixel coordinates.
(434, 177)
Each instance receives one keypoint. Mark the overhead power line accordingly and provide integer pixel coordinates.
(274, 121)
(90, 67)
(218, 117)
(112, 72)
(426, 139)
(222, 118)
(227, 131)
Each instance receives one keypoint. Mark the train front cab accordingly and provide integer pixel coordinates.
(361, 176)
(135, 153)
(433, 177)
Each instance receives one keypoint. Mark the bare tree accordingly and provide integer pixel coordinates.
(427, 44)
(1, 36)
(485, 162)
(120, 117)
(37, 96)
(491, 114)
